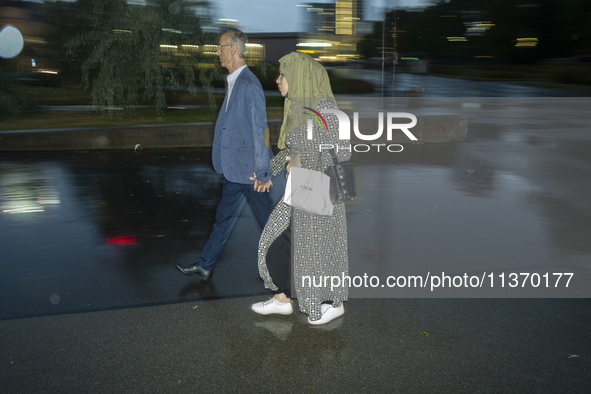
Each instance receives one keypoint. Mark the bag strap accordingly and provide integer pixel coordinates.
(334, 157)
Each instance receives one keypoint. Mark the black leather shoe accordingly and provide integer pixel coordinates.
(194, 269)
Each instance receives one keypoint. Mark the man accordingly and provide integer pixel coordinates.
(239, 152)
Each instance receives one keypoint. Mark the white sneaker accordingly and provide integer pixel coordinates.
(328, 313)
(272, 306)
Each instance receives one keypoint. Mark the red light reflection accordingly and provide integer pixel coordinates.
(122, 240)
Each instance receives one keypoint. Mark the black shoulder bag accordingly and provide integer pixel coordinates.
(342, 180)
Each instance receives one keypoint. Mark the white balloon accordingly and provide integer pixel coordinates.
(11, 42)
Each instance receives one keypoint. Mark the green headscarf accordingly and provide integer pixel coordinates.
(308, 83)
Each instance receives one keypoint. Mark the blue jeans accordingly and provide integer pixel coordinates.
(234, 196)
(278, 189)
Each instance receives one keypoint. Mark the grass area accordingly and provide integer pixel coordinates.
(57, 96)
(67, 119)
(569, 76)
(73, 119)
(50, 96)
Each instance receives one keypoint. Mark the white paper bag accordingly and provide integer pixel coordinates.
(308, 191)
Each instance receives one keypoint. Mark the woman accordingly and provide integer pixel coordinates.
(319, 243)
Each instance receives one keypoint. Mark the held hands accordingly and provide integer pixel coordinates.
(260, 186)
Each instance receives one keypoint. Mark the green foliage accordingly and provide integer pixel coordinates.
(267, 74)
(12, 103)
(67, 20)
(126, 63)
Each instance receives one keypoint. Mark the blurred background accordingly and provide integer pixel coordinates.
(84, 62)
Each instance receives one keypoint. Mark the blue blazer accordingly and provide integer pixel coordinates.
(238, 145)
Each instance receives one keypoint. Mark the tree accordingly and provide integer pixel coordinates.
(12, 103)
(65, 21)
(138, 52)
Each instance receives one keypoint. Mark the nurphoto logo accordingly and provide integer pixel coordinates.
(345, 129)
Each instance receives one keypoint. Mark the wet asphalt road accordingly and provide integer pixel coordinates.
(91, 301)
(95, 230)
(401, 84)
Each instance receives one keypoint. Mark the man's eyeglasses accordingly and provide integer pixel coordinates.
(220, 46)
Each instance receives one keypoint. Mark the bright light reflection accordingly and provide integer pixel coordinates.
(44, 71)
(26, 189)
(23, 210)
(314, 44)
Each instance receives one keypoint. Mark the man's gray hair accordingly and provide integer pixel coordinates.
(239, 39)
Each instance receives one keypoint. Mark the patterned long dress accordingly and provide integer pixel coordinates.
(319, 242)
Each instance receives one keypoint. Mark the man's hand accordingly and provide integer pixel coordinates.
(260, 186)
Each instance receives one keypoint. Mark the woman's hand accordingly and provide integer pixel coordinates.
(293, 162)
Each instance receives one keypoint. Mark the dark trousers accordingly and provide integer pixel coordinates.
(234, 196)
(279, 262)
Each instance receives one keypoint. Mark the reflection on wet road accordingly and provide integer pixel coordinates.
(444, 210)
(94, 230)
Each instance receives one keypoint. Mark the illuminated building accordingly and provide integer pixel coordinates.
(331, 30)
